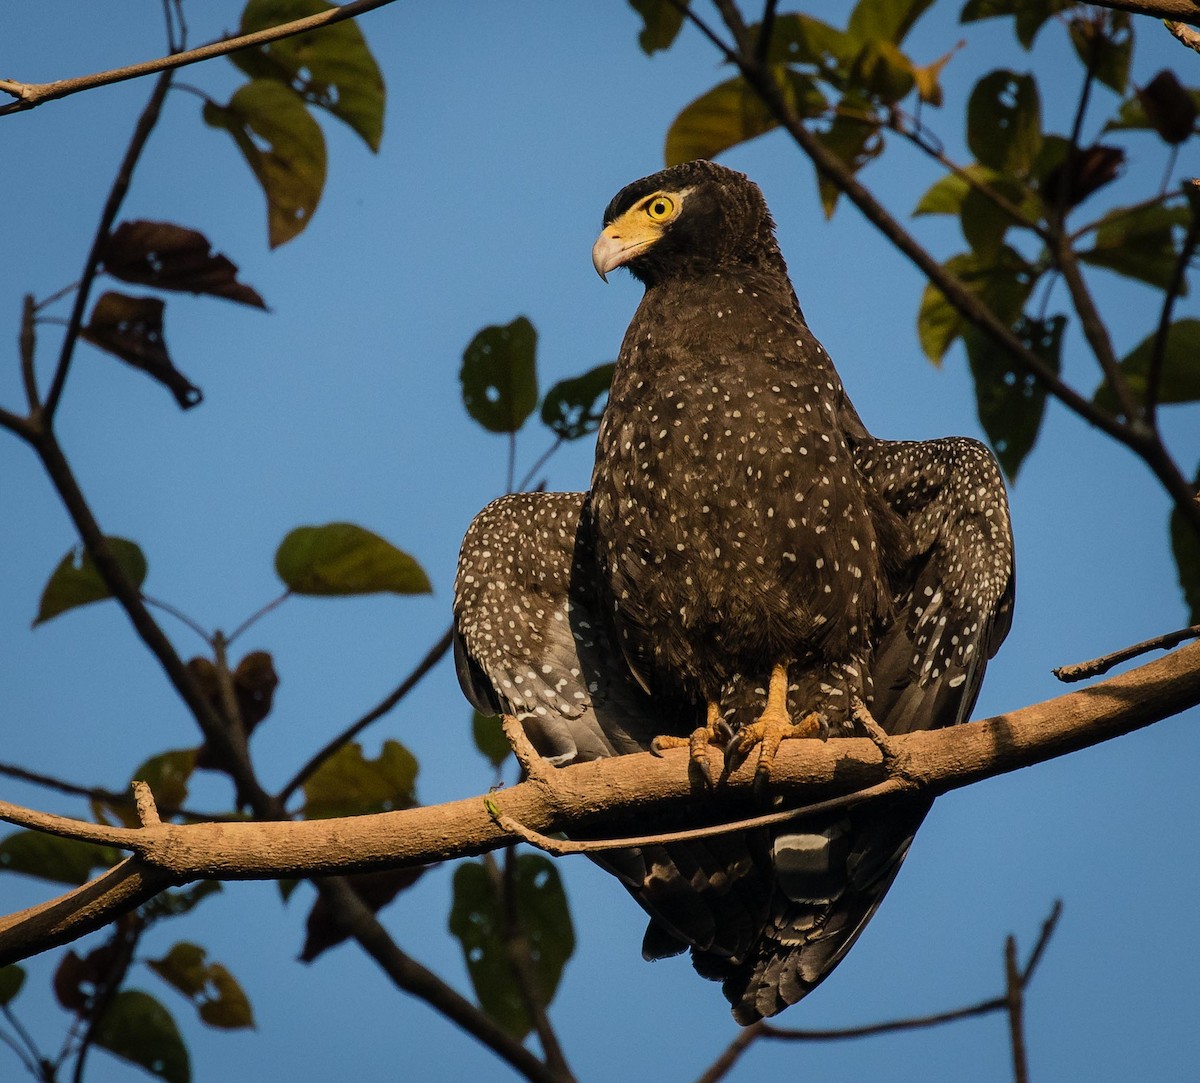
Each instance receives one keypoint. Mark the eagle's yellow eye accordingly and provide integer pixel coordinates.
(660, 208)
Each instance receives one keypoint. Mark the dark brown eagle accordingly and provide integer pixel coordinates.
(748, 566)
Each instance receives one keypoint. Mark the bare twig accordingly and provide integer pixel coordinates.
(1184, 34)
(257, 615)
(1015, 1004)
(1154, 372)
(29, 95)
(27, 343)
(147, 810)
(1080, 671)
(179, 615)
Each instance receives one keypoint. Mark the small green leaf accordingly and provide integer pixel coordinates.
(1011, 402)
(881, 73)
(732, 113)
(1180, 369)
(1139, 242)
(661, 23)
(48, 857)
(489, 737)
(884, 20)
(477, 920)
(137, 1028)
(283, 146)
(76, 581)
(348, 784)
(1031, 15)
(342, 558)
(1105, 45)
(499, 375)
(12, 977)
(219, 999)
(853, 140)
(1004, 122)
(570, 407)
(331, 68)
(944, 196)
(1186, 548)
(802, 39)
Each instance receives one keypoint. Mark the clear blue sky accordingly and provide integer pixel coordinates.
(509, 127)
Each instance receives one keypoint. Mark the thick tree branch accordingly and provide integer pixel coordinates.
(1186, 11)
(29, 95)
(587, 794)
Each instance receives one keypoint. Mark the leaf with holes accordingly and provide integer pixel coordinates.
(330, 67)
(803, 39)
(1004, 122)
(661, 22)
(76, 581)
(342, 558)
(499, 375)
(137, 1028)
(489, 737)
(348, 784)
(573, 408)
(284, 148)
(60, 860)
(1180, 368)
(131, 328)
(478, 921)
(216, 994)
(1011, 402)
(171, 257)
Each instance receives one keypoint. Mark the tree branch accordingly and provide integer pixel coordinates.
(29, 95)
(584, 795)
(1185, 11)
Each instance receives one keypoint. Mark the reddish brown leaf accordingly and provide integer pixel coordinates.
(1169, 107)
(131, 328)
(376, 889)
(174, 258)
(1091, 169)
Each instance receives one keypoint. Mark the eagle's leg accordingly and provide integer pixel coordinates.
(773, 727)
(711, 733)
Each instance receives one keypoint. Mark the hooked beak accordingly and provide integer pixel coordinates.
(612, 249)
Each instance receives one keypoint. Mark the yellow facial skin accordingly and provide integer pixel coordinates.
(637, 229)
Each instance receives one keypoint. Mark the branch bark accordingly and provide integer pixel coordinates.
(583, 796)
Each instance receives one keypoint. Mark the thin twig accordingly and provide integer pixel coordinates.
(258, 615)
(1080, 671)
(34, 1059)
(539, 463)
(1158, 356)
(29, 95)
(1015, 1004)
(27, 343)
(179, 615)
(766, 30)
(685, 8)
(431, 659)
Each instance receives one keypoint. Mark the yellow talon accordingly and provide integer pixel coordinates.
(773, 727)
(697, 742)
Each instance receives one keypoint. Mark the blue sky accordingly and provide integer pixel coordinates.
(509, 127)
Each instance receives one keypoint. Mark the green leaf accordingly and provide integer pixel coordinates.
(173, 904)
(12, 977)
(661, 23)
(1011, 402)
(884, 20)
(219, 999)
(1105, 45)
(1002, 281)
(342, 558)
(348, 784)
(945, 195)
(167, 775)
(1031, 15)
(732, 113)
(1180, 369)
(477, 919)
(1186, 548)
(76, 581)
(48, 857)
(570, 407)
(331, 68)
(283, 146)
(854, 141)
(882, 73)
(1004, 122)
(802, 39)
(499, 375)
(1139, 242)
(137, 1028)
(489, 737)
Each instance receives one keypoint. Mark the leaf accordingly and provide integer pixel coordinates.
(803, 39)
(76, 581)
(1186, 549)
(1002, 281)
(569, 408)
(284, 148)
(1139, 242)
(167, 775)
(929, 79)
(881, 73)
(854, 141)
(1180, 368)
(342, 558)
(1030, 15)
(324, 929)
(173, 258)
(489, 737)
(347, 784)
(60, 860)
(131, 328)
(137, 1028)
(173, 904)
(661, 23)
(1004, 122)
(1089, 170)
(945, 195)
(477, 920)
(1104, 44)
(216, 994)
(733, 113)
(12, 977)
(499, 375)
(331, 67)
(1163, 105)
(884, 20)
(1011, 402)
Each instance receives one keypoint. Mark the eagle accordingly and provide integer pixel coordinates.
(750, 565)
